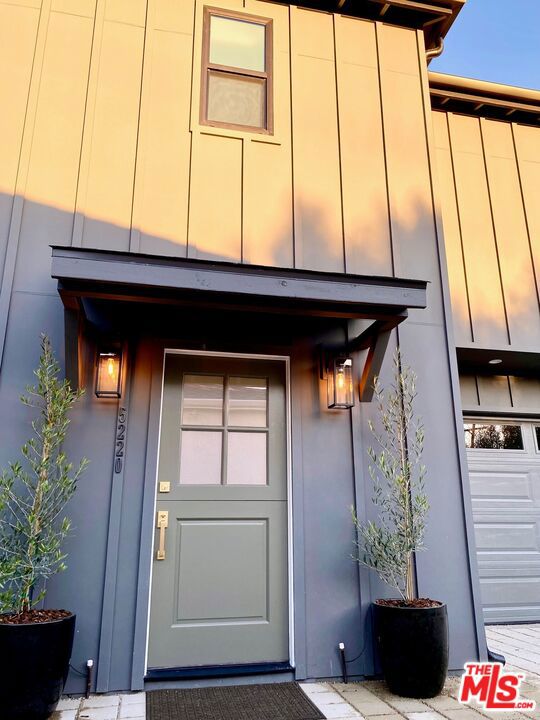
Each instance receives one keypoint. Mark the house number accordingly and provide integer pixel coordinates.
(120, 440)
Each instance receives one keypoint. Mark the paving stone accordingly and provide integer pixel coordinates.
(64, 715)
(98, 701)
(406, 705)
(325, 698)
(311, 688)
(358, 689)
(427, 715)
(99, 713)
(68, 703)
(132, 710)
(368, 707)
(339, 711)
(136, 697)
(443, 702)
(466, 713)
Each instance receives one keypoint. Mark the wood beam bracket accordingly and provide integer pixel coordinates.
(375, 340)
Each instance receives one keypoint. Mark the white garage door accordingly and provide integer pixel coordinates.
(504, 468)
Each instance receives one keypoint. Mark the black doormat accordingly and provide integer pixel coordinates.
(271, 701)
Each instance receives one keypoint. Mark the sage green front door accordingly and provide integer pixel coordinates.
(219, 580)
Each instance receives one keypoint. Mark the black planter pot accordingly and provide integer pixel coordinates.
(34, 664)
(413, 648)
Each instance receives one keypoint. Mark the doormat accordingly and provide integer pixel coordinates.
(271, 701)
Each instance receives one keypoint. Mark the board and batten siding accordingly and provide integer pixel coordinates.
(500, 394)
(103, 148)
(489, 174)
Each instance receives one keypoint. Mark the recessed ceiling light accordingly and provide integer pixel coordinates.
(495, 361)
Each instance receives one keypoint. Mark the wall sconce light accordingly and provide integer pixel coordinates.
(109, 374)
(340, 383)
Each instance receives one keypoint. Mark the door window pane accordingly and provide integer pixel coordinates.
(236, 100)
(237, 43)
(487, 436)
(202, 400)
(247, 402)
(246, 461)
(200, 457)
(537, 431)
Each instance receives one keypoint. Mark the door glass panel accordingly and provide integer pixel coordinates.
(246, 461)
(236, 100)
(237, 43)
(200, 457)
(247, 402)
(537, 431)
(202, 400)
(487, 436)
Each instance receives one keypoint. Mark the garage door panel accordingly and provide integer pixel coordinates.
(493, 486)
(505, 491)
(507, 537)
(511, 599)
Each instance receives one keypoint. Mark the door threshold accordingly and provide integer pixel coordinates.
(215, 671)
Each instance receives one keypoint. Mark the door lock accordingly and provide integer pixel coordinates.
(162, 524)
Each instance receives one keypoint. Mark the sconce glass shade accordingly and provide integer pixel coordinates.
(340, 383)
(108, 376)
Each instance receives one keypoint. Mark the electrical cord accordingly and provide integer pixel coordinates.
(358, 656)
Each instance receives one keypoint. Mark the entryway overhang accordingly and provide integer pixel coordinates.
(89, 277)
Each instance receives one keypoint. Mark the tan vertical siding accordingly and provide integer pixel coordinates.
(527, 143)
(480, 250)
(318, 221)
(54, 159)
(106, 192)
(511, 234)
(215, 217)
(363, 169)
(452, 230)
(267, 178)
(409, 185)
(121, 162)
(16, 56)
(160, 209)
(492, 233)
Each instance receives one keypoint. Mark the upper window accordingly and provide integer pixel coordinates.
(488, 436)
(236, 88)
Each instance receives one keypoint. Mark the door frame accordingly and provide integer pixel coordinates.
(288, 431)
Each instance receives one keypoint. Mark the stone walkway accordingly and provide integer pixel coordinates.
(367, 700)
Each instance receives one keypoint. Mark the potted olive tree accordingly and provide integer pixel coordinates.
(36, 643)
(411, 632)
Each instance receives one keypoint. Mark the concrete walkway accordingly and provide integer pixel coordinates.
(367, 700)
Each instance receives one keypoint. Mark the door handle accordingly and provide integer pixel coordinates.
(162, 525)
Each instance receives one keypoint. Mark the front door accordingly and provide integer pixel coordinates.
(219, 581)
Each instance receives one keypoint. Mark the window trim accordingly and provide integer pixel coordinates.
(267, 76)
